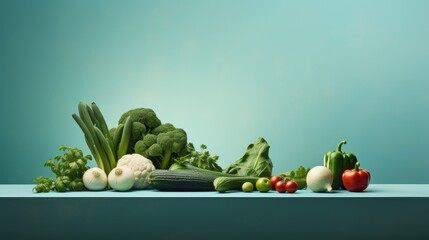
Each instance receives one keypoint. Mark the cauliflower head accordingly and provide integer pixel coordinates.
(141, 167)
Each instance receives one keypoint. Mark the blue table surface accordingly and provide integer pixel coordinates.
(373, 191)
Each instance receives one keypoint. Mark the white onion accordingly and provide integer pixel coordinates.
(319, 179)
(95, 179)
(121, 178)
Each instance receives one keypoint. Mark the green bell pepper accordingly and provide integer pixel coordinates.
(338, 161)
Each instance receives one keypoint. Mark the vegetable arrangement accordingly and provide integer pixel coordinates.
(254, 164)
(339, 161)
(141, 152)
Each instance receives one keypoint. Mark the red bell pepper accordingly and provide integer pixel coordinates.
(356, 180)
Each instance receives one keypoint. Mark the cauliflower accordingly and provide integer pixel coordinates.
(141, 167)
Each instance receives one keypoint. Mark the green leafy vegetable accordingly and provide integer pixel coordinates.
(68, 168)
(255, 162)
(201, 159)
(299, 176)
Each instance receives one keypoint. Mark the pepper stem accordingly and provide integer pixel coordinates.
(357, 165)
(341, 144)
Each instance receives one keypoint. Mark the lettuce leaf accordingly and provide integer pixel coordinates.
(255, 162)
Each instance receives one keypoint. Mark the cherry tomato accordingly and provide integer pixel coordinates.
(291, 186)
(274, 180)
(280, 187)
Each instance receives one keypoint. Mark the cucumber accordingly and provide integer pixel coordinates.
(181, 180)
(223, 184)
(190, 167)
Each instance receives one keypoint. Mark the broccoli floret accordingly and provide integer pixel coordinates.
(162, 148)
(150, 139)
(172, 142)
(143, 115)
(163, 128)
(141, 147)
(155, 150)
(137, 133)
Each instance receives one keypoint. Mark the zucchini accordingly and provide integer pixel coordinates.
(223, 184)
(181, 180)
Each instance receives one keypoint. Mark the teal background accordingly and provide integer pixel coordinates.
(302, 74)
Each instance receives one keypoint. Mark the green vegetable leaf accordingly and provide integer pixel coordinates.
(201, 159)
(68, 168)
(301, 172)
(299, 176)
(255, 162)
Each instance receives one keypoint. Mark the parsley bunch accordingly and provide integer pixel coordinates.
(68, 168)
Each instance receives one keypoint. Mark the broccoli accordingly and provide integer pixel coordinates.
(143, 145)
(159, 142)
(163, 128)
(163, 147)
(143, 120)
(137, 132)
(172, 142)
(145, 116)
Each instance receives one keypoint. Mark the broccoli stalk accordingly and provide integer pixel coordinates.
(166, 160)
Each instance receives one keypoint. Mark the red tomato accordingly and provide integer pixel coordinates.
(291, 186)
(280, 187)
(274, 180)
